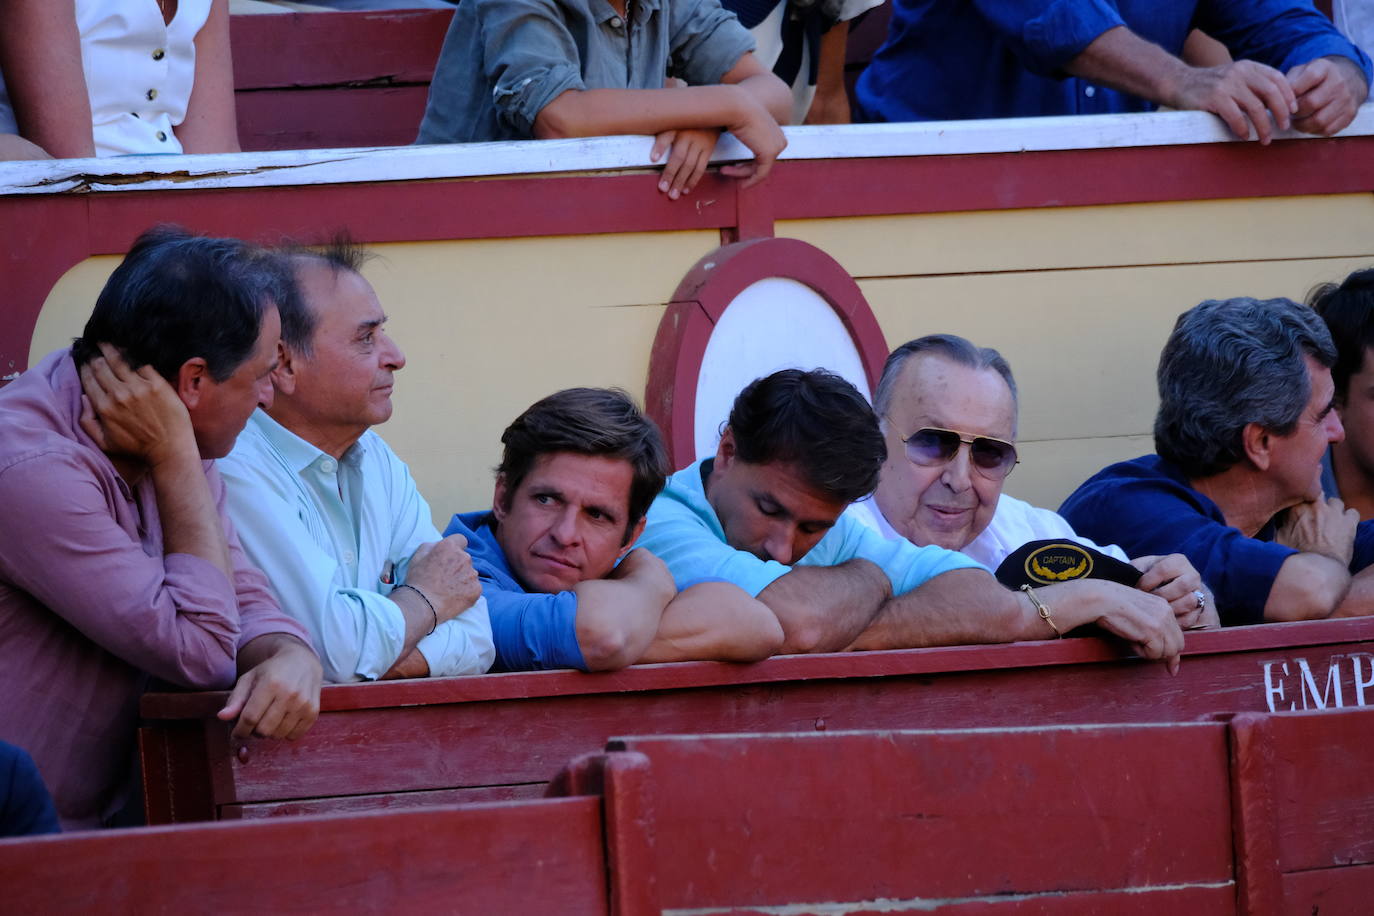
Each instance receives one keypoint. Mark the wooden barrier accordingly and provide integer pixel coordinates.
(1304, 812)
(1122, 818)
(334, 79)
(511, 858)
(503, 736)
(1254, 814)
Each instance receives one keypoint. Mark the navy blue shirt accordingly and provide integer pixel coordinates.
(532, 630)
(1147, 507)
(25, 806)
(955, 59)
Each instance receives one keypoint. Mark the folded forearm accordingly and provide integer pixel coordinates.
(609, 112)
(190, 522)
(823, 609)
(960, 607)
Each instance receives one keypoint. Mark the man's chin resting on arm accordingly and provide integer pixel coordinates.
(554, 554)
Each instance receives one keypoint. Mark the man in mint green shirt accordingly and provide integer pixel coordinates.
(329, 512)
(765, 514)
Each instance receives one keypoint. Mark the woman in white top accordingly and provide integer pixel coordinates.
(117, 77)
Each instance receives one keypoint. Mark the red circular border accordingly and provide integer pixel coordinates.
(702, 297)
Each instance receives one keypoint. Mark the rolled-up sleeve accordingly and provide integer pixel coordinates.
(1045, 36)
(705, 41)
(462, 645)
(1280, 34)
(174, 616)
(530, 58)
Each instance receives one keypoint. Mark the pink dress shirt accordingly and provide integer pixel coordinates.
(91, 608)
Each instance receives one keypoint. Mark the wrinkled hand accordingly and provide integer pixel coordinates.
(443, 571)
(1174, 579)
(756, 129)
(1323, 526)
(1145, 621)
(132, 412)
(1329, 91)
(689, 152)
(1243, 94)
(278, 698)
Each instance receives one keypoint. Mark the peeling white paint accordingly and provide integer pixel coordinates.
(928, 904)
(601, 154)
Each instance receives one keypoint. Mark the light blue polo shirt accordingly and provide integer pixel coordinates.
(685, 533)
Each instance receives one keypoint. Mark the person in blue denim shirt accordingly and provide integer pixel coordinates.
(954, 59)
(521, 69)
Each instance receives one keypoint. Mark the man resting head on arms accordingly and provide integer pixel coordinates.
(520, 69)
(1247, 409)
(555, 557)
(330, 513)
(766, 514)
(949, 413)
(126, 566)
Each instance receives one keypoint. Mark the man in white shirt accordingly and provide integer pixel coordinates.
(948, 411)
(329, 512)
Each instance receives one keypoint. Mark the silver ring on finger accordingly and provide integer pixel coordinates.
(1201, 597)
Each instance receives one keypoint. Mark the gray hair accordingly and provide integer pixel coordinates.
(952, 347)
(1229, 363)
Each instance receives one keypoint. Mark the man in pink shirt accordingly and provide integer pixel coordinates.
(119, 563)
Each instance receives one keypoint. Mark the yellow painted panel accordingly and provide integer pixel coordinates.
(1052, 469)
(69, 304)
(1083, 344)
(1124, 234)
(488, 327)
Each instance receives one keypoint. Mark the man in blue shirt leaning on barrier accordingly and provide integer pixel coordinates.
(765, 513)
(955, 59)
(555, 553)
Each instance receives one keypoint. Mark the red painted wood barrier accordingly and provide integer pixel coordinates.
(335, 79)
(504, 736)
(534, 857)
(1068, 819)
(1254, 814)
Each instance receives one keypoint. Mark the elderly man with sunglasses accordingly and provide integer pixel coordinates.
(939, 394)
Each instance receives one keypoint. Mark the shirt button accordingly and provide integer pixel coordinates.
(162, 135)
(152, 94)
(159, 54)
(348, 557)
(1090, 91)
(327, 465)
(617, 22)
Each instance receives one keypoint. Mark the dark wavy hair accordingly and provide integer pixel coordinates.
(1348, 310)
(604, 422)
(177, 296)
(815, 421)
(1229, 363)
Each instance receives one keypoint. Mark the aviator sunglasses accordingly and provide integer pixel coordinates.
(931, 446)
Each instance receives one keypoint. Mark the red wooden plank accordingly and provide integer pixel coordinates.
(455, 745)
(1060, 178)
(1316, 768)
(396, 801)
(511, 858)
(321, 49)
(1277, 639)
(1329, 890)
(771, 820)
(329, 118)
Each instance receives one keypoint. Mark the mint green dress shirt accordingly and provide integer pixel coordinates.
(334, 538)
